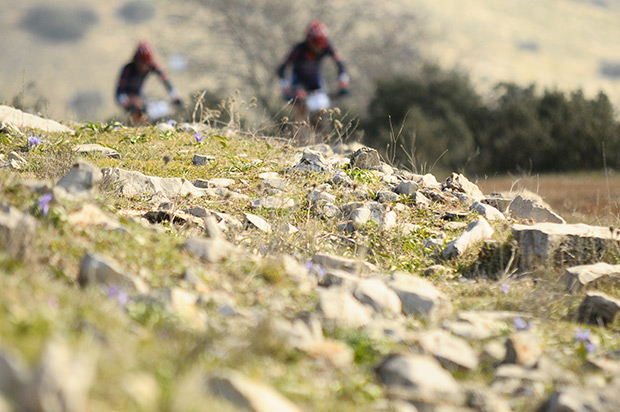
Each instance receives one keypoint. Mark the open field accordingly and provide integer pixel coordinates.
(592, 198)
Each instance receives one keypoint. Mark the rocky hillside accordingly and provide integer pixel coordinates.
(178, 266)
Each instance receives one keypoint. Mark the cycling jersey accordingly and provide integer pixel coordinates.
(307, 65)
(132, 80)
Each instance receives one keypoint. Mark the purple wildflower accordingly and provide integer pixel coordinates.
(44, 203)
(582, 335)
(590, 347)
(33, 140)
(119, 294)
(316, 268)
(321, 271)
(198, 137)
(171, 122)
(505, 288)
(520, 324)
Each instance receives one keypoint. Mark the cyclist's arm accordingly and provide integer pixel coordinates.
(172, 92)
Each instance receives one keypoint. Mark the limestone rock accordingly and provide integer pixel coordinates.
(349, 265)
(407, 188)
(598, 308)
(377, 294)
(216, 182)
(80, 180)
(475, 233)
(366, 158)
(249, 394)
(257, 222)
(523, 208)
(211, 250)
(451, 351)
(419, 297)
(340, 307)
(17, 118)
(458, 183)
(272, 202)
(95, 270)
(523, 348)
(202, 160)
(418, 378)
(488, 211)
(577, 277)
(312, 161)
(569, 244)
(96, 149)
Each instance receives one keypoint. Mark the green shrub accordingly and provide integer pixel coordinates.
(438, 118)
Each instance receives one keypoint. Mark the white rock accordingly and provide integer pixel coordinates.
(577, 277)
(522, 208)
(377, 294)
(249, 394)
(449, 350)
(475, 233)
(419, 297)
(19, 119)
(340, 307)
(488, 211)
(419, 378)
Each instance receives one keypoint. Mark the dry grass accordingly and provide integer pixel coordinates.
(592, 198)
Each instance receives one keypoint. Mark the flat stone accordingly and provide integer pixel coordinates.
(95, 270)
(19, 119)
(131, 183)
(249, 394)
(488, 211)
(378, 295)
(523, 348)
(340, 307)
(418, 378)
(523, 208)
(419, 297)
(211, 250)
(272, 202)
(578, 277)
(81, 179)
(569, 244)
(460, 184)
(452, 352)
(354, 266)
(366, 158)
(407, 188)
(257, 222)
(202, 160)
(90, 214)
(97, 149)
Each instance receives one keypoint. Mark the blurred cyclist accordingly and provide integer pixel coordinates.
(129, 88)
(305, 59)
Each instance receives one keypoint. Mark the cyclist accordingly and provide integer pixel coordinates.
(132, 77)
(305, 59)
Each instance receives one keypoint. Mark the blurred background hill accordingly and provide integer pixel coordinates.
(63, 58)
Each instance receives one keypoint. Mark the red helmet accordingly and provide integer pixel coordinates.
(145, 52)
(317, 34)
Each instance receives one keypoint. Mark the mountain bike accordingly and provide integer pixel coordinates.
(312, 116)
